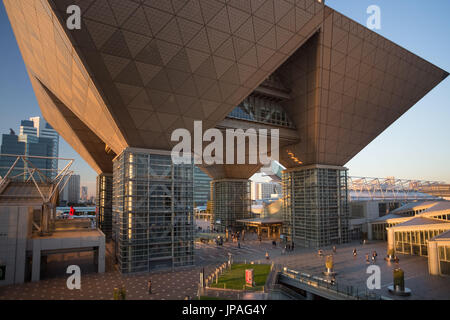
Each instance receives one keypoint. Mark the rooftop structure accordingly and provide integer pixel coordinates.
(364, 188)
(29, 229)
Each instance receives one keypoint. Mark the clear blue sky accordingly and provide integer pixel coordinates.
(417, 146)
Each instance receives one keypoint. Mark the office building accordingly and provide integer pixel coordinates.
(202, 188)
(84, 193)
(27, 143)
(71, 191)
(265, 190)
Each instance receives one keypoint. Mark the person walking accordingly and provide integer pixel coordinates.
(354, 252)
(367, 258)
(267, 256)
(149, 286)
(334, 249)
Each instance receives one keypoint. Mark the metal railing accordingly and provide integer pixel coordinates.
(30, 172)
(330, 286)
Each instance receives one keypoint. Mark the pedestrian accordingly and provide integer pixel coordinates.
(267, 256)
(239, 244)
(292, 246)
(334, 249)
(354, 252)
(149, 286)
(367, 258)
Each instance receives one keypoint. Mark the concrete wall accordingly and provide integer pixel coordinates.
(15, 228)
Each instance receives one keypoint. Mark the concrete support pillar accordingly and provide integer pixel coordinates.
(433, 258)
(316, 195)
(104, 203)
(369, 232)
(390, 239)
(36, 258)
(232, 202)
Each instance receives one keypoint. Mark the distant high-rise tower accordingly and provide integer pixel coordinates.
(84, 193)
(202, 187)
(71, 192)
(45, 130)
(36, 138)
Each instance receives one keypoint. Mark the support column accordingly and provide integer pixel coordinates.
(231, 202)
(153, 211)
(433, 258)
(36, 261)
(369, 232)
(104, 203)
(390, 239)
(315, 210)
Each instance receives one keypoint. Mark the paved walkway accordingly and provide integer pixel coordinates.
(180, 283)
(353, 271)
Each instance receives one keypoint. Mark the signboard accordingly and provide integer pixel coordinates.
(2, 272)
(249, 277)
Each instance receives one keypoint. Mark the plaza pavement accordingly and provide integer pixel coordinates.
(179, 283)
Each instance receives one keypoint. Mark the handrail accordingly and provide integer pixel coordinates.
(329, 285)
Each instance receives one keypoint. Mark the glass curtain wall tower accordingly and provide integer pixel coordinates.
(315, 206)
(104, 203)
(152, 211)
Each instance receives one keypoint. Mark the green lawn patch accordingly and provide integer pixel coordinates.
(235, 278)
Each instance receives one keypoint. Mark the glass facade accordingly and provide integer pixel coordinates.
(414, 242)
(262, 109)
(26, 145)
(104, 203)
(202, 187)
(152, 211)
(379, 231)
(231, 202)
(315, 208)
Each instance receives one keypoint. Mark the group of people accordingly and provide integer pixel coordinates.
(288, 247)
(374, 257)
(320, 251)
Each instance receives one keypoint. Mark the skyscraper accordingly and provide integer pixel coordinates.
(71, 191)
(84, 193)
(30, 143)
(45, 130)
(202, 187)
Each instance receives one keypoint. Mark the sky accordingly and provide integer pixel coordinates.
(416, 146)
